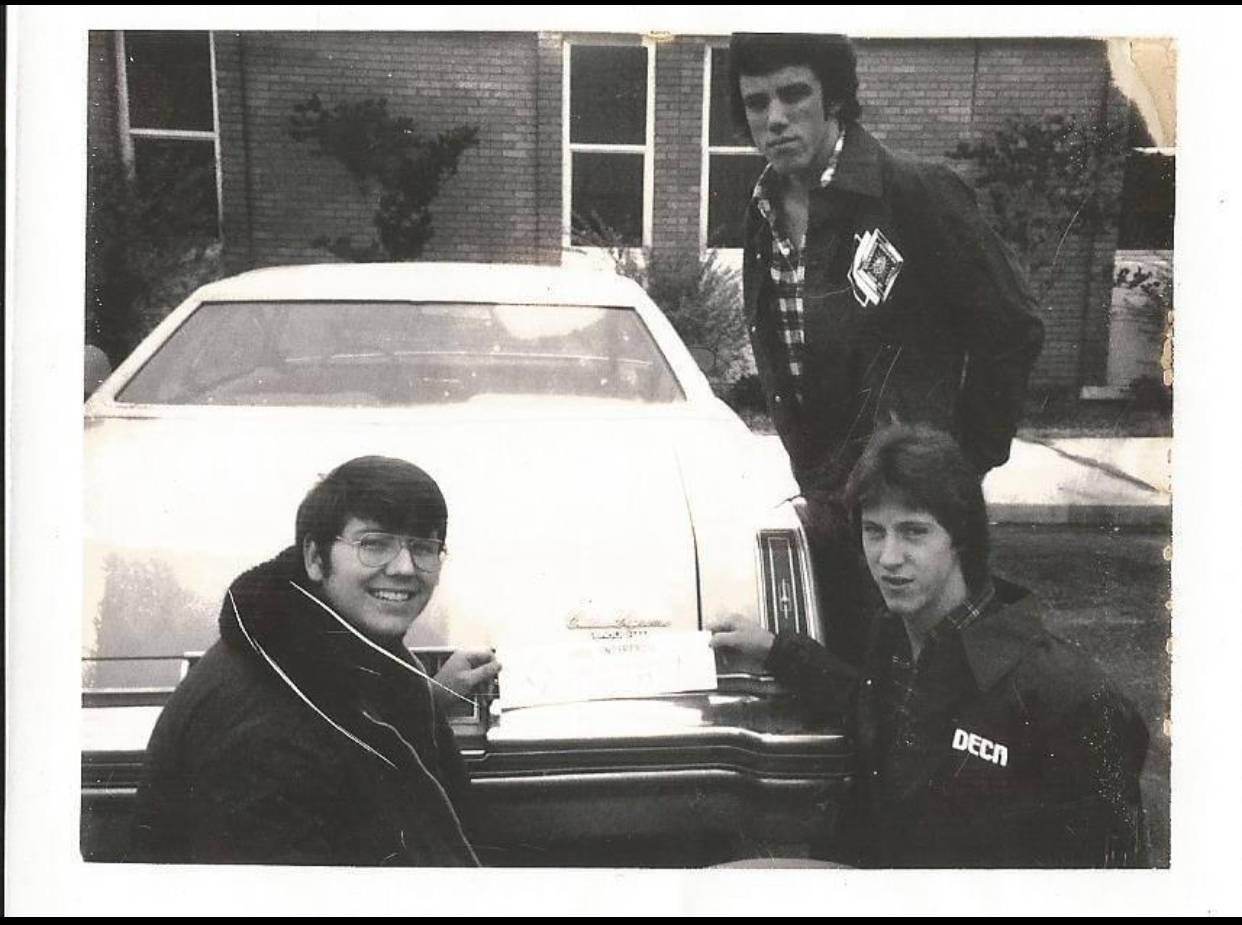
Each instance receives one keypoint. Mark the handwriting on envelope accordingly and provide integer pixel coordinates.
(664, 662)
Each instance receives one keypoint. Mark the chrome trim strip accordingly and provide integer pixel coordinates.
(698, 735)
(813, 627)
(537, 781)
(124, 691)
(764, 679)
(799, 559)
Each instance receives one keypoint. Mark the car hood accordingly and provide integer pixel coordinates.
(555, 522)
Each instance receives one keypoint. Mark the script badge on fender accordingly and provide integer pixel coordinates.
(875, 268)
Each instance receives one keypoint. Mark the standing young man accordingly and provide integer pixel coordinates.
(308, 734)
(983, 740)
(874, 292)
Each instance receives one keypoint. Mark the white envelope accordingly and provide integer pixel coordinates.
(630, 665)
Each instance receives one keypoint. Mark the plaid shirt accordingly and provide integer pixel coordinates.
(789, 263)
(916, 684)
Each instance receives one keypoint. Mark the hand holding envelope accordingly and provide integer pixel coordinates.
(465, 671)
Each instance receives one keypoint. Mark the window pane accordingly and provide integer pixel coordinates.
(608, 94)
(721, 130)
(334, 354)
(731, 181)
(169, 76)
(1147, 195)
(176, 178)
(607, 202)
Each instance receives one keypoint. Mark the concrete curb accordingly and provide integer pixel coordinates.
(1102, 515)
(1087, 481)
(1122, 482)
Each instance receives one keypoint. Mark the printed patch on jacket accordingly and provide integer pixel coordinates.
(876, 265)
(983, 748)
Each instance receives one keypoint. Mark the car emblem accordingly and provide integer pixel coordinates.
(876, 265)
(580, 621)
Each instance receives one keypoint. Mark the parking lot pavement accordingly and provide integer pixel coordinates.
(1105, 588)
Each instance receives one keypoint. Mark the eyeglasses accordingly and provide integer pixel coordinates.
(376, 550)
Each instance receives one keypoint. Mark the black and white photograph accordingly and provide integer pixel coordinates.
(630, 450)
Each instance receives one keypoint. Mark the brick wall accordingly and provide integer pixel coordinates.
(922, 97)
(1029, 78)
(103, 153)
(234, 152)
(489, 211)
(925, 97)
(548, 148)
(101, 111)
(917, 96)
(678, 145)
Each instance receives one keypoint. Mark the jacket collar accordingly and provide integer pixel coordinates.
(998, 639)
(335, 670)
(859, 171)
(996, 628)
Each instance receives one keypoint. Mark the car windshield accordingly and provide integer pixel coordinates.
(401, 353)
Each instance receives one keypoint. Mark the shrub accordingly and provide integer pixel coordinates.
(1154, 285)
(703, 301)
(1149, 393)
(1043, 178)
(746, 394)
(701, 298)
(150, 243)
(384, 151)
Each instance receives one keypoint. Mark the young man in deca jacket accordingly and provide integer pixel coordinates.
(983, 740)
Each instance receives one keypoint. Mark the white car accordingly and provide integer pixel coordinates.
(595, 485)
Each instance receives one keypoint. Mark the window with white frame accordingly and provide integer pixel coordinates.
(608, 133)
(731, 165)
(1147, 191)
(169, 121)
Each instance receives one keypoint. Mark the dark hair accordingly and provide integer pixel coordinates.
(830, 58)
(929, 472)
(397, 495)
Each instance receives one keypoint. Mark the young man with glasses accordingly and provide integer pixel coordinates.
(308, 734)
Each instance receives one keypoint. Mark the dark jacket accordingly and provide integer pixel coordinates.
(296, 741)
(951, 346)
(1020, 753)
